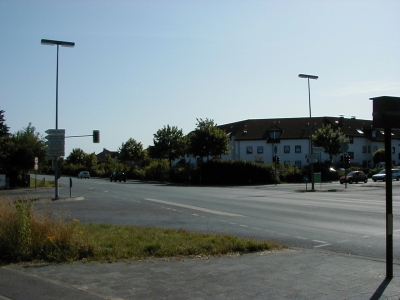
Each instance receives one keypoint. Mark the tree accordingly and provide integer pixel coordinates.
(330, 139)
(378, 156)
(26, 144)
(77, 156)
(3, 126)
(208, 140)
(131, 151)
(169, 143)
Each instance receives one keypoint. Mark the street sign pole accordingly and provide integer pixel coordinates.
(55, 142)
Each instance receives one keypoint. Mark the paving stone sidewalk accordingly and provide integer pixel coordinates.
(290, 274)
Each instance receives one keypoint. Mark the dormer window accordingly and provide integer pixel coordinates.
(275, 135)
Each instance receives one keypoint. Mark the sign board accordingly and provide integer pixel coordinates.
(311, 156)
(312, 160)
(55, 131)
(55, 152)
(318, 149)
(56, 143)
(317, 177)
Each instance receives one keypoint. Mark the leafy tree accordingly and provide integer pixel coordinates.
(91, 162)
(330, 139)
(3, 126)
(26, 144)
(131, 151)
(77, 156)
(378, 156)
(169, 143)
(208, 140)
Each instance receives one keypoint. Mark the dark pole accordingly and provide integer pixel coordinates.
(64, 44)
(311, 127)
(389, 204)
(311, 131)
(56, 158)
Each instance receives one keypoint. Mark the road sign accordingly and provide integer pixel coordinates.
(311, 156)
(312, 160)
(55, 152)
(318, 149)
(55, 143)
(55, 137)
(55, 131)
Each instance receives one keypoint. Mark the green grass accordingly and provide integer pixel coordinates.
(41, 182)
(29, 236)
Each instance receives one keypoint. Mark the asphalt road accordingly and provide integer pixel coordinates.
(344, 220)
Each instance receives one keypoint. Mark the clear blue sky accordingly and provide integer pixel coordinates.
(140, 65)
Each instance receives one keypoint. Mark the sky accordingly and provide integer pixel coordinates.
(138, 66)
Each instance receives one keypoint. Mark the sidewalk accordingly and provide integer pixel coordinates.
(290, 274)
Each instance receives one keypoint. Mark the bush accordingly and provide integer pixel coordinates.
(157, 170)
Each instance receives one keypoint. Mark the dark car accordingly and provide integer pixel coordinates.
(118, 175)
(354, 176)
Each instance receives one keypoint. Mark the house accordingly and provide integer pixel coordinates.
(102, 156)
(289, 138)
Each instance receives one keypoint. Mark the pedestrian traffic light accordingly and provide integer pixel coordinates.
(96, 136)
(347, 158)
(278, 159)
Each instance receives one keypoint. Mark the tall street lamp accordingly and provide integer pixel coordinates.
(63, 44)
(311, 129)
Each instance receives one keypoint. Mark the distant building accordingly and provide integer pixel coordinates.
(256, 139)
(102, 156)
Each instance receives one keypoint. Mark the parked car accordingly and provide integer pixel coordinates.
(84, 174)
(354, 176)
(382, 175)
(118, 175)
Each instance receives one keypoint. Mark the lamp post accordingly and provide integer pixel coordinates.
(63, 44)
(309, 105)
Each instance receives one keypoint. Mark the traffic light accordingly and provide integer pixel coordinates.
(278, 159)
(347, 160)
(96, 136)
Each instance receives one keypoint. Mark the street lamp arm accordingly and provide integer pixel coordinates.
(60, 43)
(308, 76)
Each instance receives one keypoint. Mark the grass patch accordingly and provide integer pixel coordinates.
(29, 236)
(41, 182)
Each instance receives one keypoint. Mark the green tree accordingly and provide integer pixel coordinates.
(330, 139)
(208, 140)
(169, 143)
(77, 156)
(3, 126)
(131, 151)
(91, 162)
(379, 156)
(26, 145)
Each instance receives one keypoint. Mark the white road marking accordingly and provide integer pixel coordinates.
(301, 238)
(211, 211)
(323, 245)
(322, 242)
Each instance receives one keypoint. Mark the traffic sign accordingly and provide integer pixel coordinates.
(55, 152)
(318, 149)
(55, 143)
(55, 137)
(55, 131)
(312, 160)
(311, 156)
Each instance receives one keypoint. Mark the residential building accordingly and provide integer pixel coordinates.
(102, 156)
(257, 139)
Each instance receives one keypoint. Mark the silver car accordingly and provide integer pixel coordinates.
(382, 175)
(84, 174)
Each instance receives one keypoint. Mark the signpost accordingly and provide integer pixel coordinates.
(55, 147)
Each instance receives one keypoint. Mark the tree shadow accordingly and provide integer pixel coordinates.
(381, 289)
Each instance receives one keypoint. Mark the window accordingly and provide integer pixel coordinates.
(249, 150)
(274, 135)
(393, 150)
(351, 154)
(297, 149)
(286, 149)
(260, 149)
(286, 162)
(364, 149)
(298, 163)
